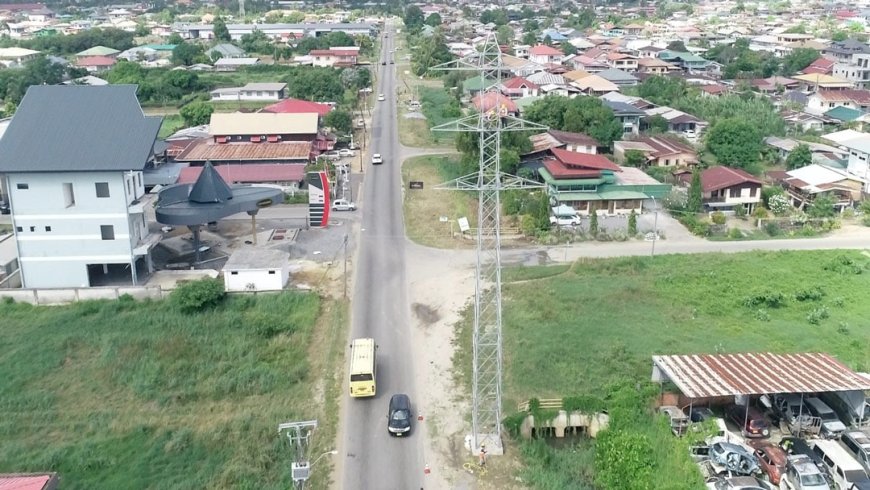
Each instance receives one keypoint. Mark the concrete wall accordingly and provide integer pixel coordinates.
(238, 280)
(72, 295)
(57, 240)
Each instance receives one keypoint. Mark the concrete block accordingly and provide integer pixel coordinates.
(140, 293)
(19, 295)
(55, 296)
(85, 294)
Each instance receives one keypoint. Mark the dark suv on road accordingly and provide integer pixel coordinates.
(399, 415)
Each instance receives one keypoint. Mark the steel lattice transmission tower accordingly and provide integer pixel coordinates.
(489, 123)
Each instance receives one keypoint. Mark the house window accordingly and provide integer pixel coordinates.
(32, 229)
(102, 189)
(19, 229)
(234, 273)
(69, 197)
(107, 232)
(22, 186)
(734, 192)
(47, 228)
(752, 191)
(271, 272)
(129, 188)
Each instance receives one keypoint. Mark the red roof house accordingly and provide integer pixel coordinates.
(573, 165)
(823, 66)
(726, 188)
(520, 87)
(28, 481)
(494, 101)
(96, 63)
(298, 106)
(544, 54)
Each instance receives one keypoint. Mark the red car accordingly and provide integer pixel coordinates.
(753, 425)
(771, 459)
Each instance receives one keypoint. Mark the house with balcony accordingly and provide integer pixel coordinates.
(658, 151)
(251, 92)
(335, 56)
(655, 66)
(803, 185)
(823, 101)
(622, 61)
(629, 116)
(725, 188)
(842, 51)
(856, 70)
(73, 159)
(592, 183)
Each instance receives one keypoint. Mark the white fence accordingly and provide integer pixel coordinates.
(63, 296)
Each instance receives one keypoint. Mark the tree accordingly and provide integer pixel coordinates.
(632, 223)
(678, 46)
(314, 83)
(221, 33)
(695, 202)
(662, 90)
(197, 113)
(340, 121)
(430, 51)
(497, 17)
(734, 142)
(797, 60)
(634, 158)
(504, 34)
(593, 222)
(822, 206)
(839, 36)
(187, 54)
(529, 38)
(657, 124)
(434, 19)
(175, 38)
(581, 115)
(413, 18)
(801, 156)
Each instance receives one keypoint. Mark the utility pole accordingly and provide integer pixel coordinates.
(345, 266)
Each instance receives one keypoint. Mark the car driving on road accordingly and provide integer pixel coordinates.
(381, 97)
(399, 415)
(377, 159)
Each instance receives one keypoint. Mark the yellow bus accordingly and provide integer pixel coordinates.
(363, 367)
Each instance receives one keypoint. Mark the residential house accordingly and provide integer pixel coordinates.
(522, 50)
(679, 122)
(138, 54)
(495, 102)
(298, 106)
(655, 66)
(784, 147)
(713, 90)
(14, 57)
(592, 183)
(257, 139)
(75, 196)
(96, 63)
(544, 78)
(649, 51)
(594, 85)
(251, 92)
(856, 70)
(804, 184)
(858, 147)
(804, 121)
(843, 51)
(225, 50)
(336, 56)
(544, 55)
(278, 32)
(622, 61)
(520, 67)
(725, 188)
(812, 82)
(519, 87)
(233, 64)
(628, 115)
(688, 62)
(823, 101)
(822, 66)
(774, 84)
(659, 151)
(588, 64)
(99, 51)
(86, 80)
(618, 77)
(543, 143)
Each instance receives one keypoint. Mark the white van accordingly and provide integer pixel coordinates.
(832, 427)
(844, 469)
(858, 443)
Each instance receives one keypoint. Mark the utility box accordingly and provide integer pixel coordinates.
(300, 471)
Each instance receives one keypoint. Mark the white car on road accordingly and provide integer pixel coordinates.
(343, 205)
(381, 97)
(377, 159)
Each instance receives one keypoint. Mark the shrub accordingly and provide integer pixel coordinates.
(779, 205)
(814, 293)
(735, 234)
(718, 218)
(197, 295)
(865, 220)
(772, 228)
(771, 299)
(740, 212)
(632, 223)
(817, 315)
(848, 213)
(759, 212)
(761, 315)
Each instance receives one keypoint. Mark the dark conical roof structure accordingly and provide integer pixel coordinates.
(210, 187)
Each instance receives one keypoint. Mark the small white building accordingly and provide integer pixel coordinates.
(251, 91)
(251, 269)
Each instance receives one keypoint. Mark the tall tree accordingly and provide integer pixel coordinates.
(581, 115)
(679, 46)
(696, 193)
(799, 157)
(196, 113)
(340, 121)
(413, 18)
(221, 33)
(735, 142)
(797, 60)
(434, 19)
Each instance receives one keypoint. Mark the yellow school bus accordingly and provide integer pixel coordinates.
(363, 367)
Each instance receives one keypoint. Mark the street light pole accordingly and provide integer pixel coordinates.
(655, 227)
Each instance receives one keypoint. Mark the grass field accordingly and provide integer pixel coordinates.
(128, 394)
(424, 207)
(171, 124)
(584, 330)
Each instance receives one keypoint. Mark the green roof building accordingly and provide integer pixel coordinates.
(98, 51)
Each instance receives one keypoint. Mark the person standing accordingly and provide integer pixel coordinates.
(482, 457)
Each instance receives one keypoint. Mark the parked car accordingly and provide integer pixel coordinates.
(690, 134)
(832, 427)
(678, 420)
(399, 415)
(858, 443)
(801, 473)
(771, 459)
(738, 483)
(343, 205)
(733, 458)
(332, 155)
(381, 98)
(565, 220)
(377, 159)
(791, 410)
(346, 152)
(795, 446)
(752, 423)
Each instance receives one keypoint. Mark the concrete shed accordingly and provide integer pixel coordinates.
(251, 269)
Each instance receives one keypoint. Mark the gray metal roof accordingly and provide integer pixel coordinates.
(78, 128)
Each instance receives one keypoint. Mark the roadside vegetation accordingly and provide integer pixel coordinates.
(589, 331)
(111, 393)
(423, 208)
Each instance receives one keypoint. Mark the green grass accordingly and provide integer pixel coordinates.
(171, 124)
(595, 326)
(127, 394)
(424, 207)
(434, 101)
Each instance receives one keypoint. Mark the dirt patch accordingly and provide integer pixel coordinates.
(425, 313)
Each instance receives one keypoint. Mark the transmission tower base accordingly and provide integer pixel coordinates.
(491, 441)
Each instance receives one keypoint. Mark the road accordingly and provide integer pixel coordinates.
(372, 459)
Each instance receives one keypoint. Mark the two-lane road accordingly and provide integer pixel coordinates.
(374, 460)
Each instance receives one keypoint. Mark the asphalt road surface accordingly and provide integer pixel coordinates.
(372, 459)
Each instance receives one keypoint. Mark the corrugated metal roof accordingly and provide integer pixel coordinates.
(24, 482)
(249, 173)
(204, 150)
(78, 128)
(703, 375)
(262, 123)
